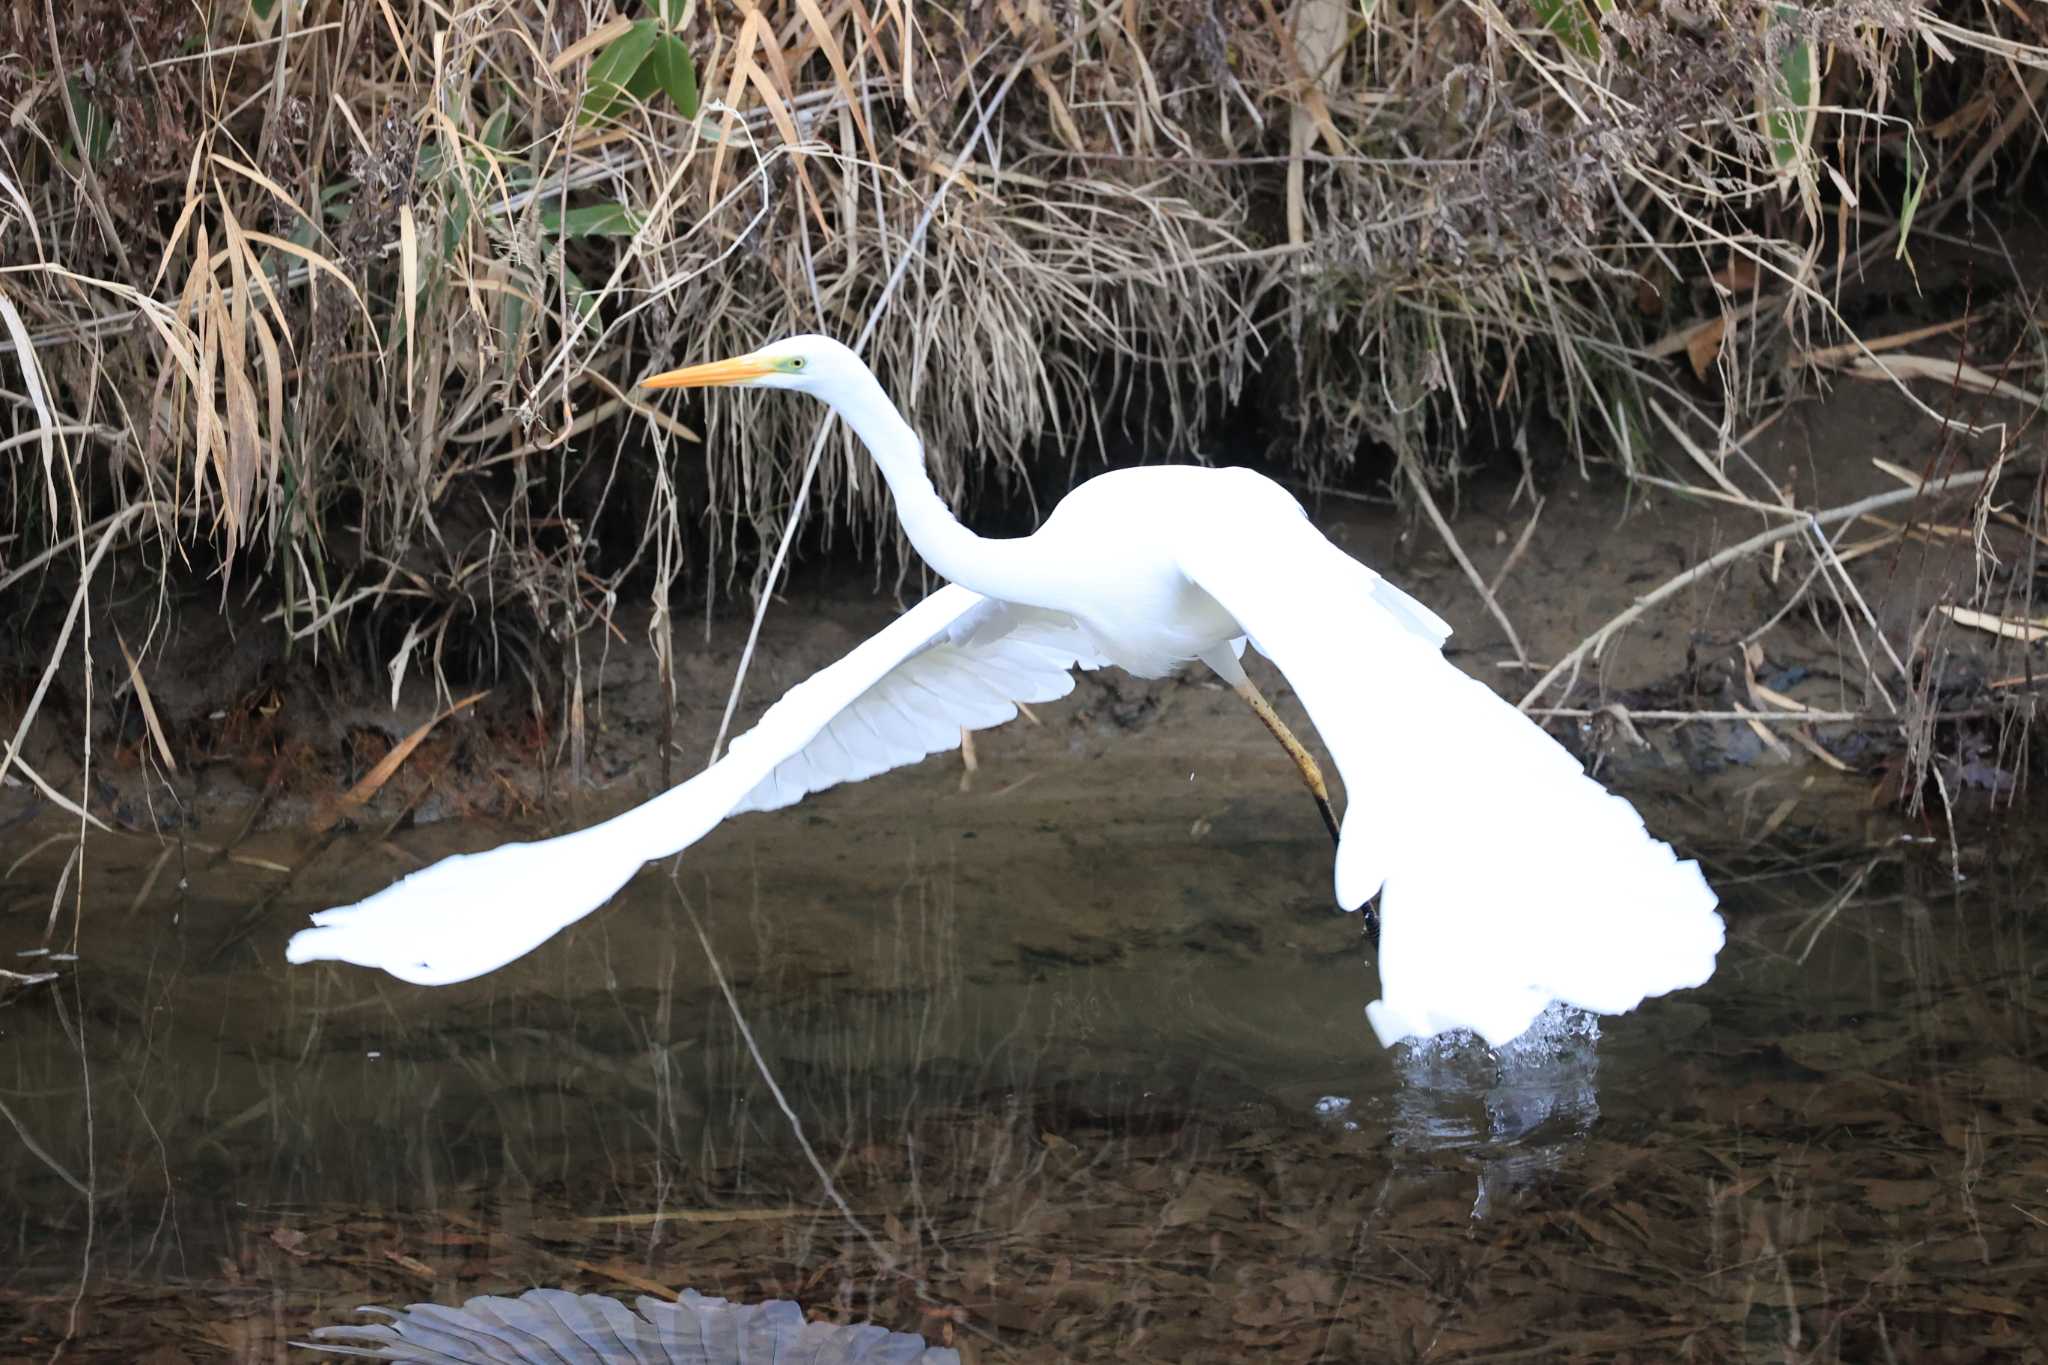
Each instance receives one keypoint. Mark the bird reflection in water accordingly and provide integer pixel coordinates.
(1520, 1109)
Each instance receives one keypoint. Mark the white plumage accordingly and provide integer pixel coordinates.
(981, 659)
(555, 1327)
(1507, 877)
(897, 698)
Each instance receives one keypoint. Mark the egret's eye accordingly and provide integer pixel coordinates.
(795, 362)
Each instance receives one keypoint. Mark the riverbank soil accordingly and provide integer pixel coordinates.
(239, 734)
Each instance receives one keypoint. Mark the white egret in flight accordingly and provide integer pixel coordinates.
(1507, 878)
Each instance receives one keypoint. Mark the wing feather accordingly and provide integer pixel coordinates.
(1508, 878)
(968, 673)
(954, 660)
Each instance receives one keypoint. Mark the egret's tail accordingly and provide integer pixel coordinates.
(1508, 878)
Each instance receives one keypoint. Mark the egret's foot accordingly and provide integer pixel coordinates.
(1304, 761)
(1329, 816)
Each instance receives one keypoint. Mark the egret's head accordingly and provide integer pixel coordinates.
(813, 364)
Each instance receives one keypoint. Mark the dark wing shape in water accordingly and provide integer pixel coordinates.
(555, 1327)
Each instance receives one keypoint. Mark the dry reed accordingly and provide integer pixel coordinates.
(351, 300)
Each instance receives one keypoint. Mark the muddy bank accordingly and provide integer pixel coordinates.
(265, 738)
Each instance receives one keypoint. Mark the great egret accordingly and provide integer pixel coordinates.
(1506, 876)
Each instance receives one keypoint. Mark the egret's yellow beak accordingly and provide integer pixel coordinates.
(738, 370)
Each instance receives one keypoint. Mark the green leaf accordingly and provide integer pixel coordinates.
(512, 313)
(427, 164)
(675, 73)
(95, 127)
(595, 220)
(644, 80)
(1916, 181)
(1916, 177)
(615, 68)
(263, 9)
(582, 299)
(336, 202)
(1794, 89)
(1573, 23)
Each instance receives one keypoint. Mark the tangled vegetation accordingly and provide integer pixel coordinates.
(347, 302)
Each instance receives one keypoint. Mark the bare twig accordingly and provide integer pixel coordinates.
(1813, 522)
(1419, 485)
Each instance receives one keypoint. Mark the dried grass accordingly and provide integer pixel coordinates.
(353, 298)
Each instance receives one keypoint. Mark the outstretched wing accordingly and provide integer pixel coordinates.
(954, 660)
(970, 673)
(1508, 878)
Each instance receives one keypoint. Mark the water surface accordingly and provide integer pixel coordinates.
(1088, 1078)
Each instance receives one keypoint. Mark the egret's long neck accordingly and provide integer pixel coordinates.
(1009, 569)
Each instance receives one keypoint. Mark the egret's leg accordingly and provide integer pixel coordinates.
(1311, 773)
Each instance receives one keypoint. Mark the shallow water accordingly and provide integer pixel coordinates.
(1091, 1081)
